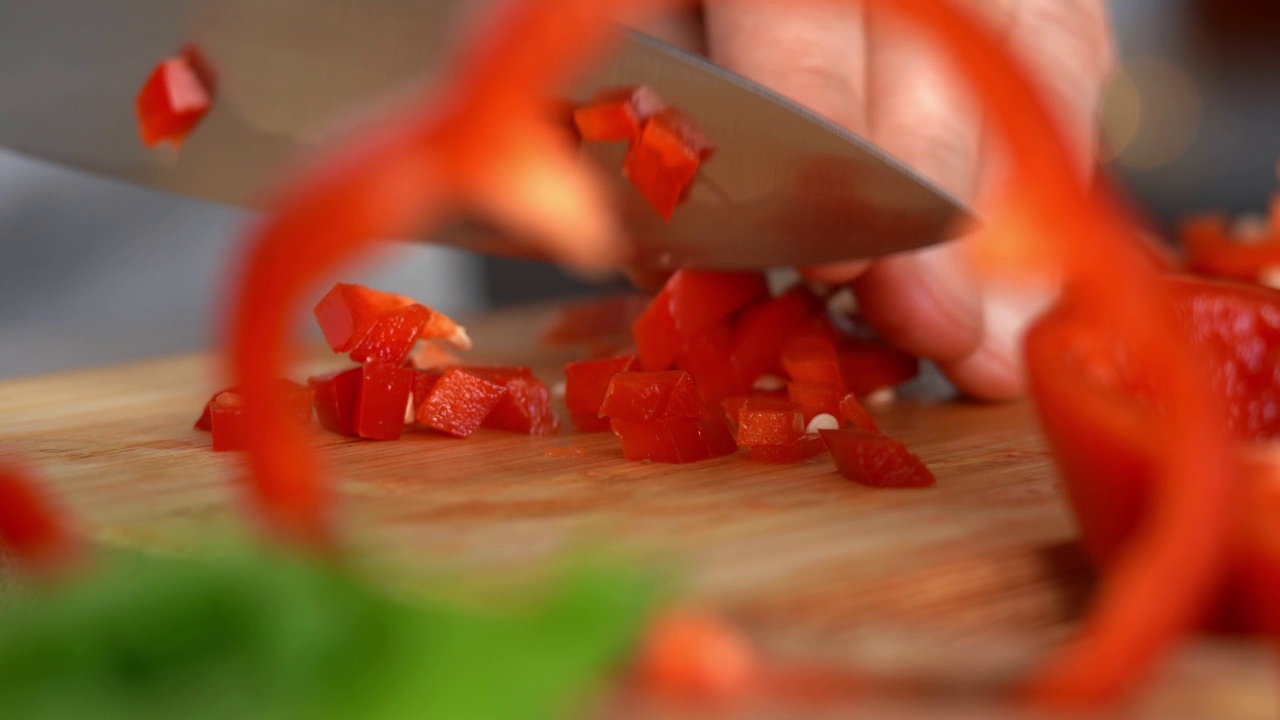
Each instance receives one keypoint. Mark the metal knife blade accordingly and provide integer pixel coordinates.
(786, 187)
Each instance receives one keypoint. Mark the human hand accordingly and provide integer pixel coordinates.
(875, 75)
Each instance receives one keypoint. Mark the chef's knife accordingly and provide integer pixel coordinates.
(785, 187)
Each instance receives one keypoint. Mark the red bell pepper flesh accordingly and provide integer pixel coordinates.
(172, 101)
(585, 385)
(33, 530)
(299, 400)
(867, 366)
(205, 421)
(816, 398)
(337, 400)
(801, 449)
(348, 312)
(393, 335)
(459, 402)
(526, 406)
(765, 421)
(674, 440)
(384, 394)
(643, 396)
(709, 362)
(1212, 251)
(852, 412)
(423, 382)
(811, 358)
(876, 460)
(700, 299)
(732, 406)
(665, 160)
(227, 415)
(617, 115)
(763, 328)
(658, 343)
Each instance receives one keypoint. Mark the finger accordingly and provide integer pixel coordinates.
(814, 53)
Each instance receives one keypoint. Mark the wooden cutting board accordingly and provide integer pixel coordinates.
(946, 589)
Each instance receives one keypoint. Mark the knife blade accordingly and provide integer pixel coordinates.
(786, 186)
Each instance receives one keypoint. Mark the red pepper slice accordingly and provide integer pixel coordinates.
(423, 382)
(585, 385)
(174, 99)
(1212, 251)
(337, 400)
(801, 449)
(348, 312)
(700, 299)
(644, 396)
(618, 114)
(526, 406)
(674, 440)
(459, 402)
(298, 398)
(393, 335)
(658, 343)
(709, 361)
(876, 460)
(810, 357)
(763, 328)
(816, 398)
(33, 530)
(227, 415)
(384, 395)
(766, 421)
(867, 366)
(852, 411)
(665, 160)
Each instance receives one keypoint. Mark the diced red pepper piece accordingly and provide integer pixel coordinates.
(384, 394)
(867, 366)
(802, 448)
(172, 101)
(664, 162)
(762, 329)
(710, 363)
(674, 440)
(875, 459)
(700, 299)
(811, 358)
(693, 656)
(33, 529)
(337, 399)
(852, 411)
(765, 421)
(1212, 251)
(816, 398)
(347, 312)
(393, 335)
(423, 382)
(658, 343)
(526, 406)
(227, 415)
(732, 406)
(205, 422)
(643, 396)
(299, 398)
(459, 402)
(615, 115)
(585, 385)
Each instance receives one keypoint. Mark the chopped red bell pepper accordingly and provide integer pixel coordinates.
(666, 159)
(1211, 250)
(763, 328)
(348, 312)
(585, 385)
(423, 382)
(766, 421)
(810, 357)
(174, 99)
(617, 115)
(393, 335)
(459, 402)
(709, 362)
(384, 394)
(674, 439)
(868, 365)
(205, 421)
(298, 397)
(658, 343)
(337, 400)
(227, 414)
(33, 530)
(690, 655)
(816, 398)
(852, 411)
(802, 448)
(732, 406)
(700, 299)
(875, 459)
(526, 406)
(644, 396)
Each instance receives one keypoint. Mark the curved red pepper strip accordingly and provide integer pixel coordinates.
(32, 529)
(405, 176)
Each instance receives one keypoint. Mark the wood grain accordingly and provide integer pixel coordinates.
(959, 586)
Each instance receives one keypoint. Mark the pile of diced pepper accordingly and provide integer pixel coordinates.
(716, 363)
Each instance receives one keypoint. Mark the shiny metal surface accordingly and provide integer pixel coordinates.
(785, 186)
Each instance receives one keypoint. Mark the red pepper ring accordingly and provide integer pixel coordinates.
(392, 183)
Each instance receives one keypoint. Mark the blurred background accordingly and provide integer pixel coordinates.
(95, 272)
